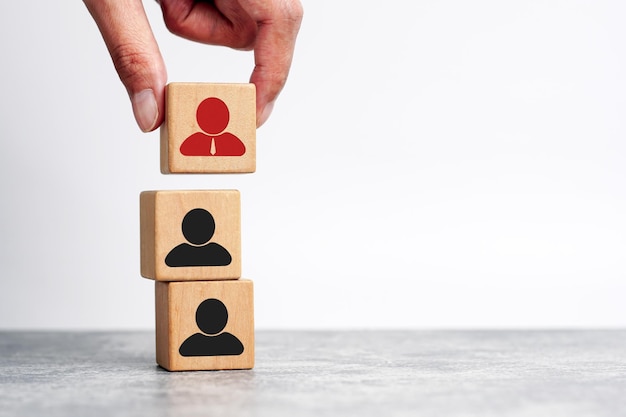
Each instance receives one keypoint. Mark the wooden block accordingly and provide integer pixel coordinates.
(205, 325)
(209, 128)
(190, 235)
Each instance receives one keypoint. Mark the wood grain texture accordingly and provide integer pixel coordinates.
(176, 307)
(181, 122)
(161, 220)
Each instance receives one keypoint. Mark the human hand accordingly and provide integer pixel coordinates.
(269, 27)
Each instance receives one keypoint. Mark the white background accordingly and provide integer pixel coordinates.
(430, 164)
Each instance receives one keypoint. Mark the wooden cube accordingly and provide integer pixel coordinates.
(209, 128)
(205, 325)
(190, 235)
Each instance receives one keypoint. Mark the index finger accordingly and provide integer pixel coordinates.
(278, 24)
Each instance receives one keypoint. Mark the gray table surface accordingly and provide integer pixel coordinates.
(370, 373)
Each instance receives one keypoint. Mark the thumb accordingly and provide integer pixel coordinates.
(136, 56)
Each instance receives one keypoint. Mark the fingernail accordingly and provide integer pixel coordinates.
(145, 109)
(265, 114)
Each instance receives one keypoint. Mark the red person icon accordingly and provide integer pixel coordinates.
(213, 117)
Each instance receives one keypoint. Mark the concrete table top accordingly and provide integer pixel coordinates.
(360, 373)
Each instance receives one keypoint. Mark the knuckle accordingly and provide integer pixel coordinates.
(131, 64)
(174, 23)
(175, 15)
(244, 36)
(297, 11)
(293, 11)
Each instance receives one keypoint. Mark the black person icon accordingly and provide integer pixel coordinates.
(212, 116)
(198, 228)
(211, 318)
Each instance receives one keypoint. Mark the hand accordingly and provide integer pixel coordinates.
(269, 27)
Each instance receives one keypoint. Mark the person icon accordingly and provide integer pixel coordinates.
(213, 117)
(198, 228)
(211, 318)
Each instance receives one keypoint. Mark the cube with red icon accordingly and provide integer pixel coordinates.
(209, 128)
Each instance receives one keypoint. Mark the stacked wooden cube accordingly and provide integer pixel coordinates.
(191, 239)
